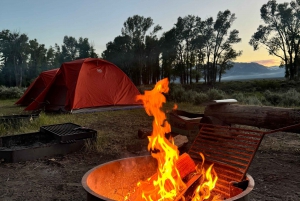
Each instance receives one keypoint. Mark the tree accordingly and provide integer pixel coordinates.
(198, 45)
(222, 46)
(37, 59)
(206, 31)
(51, 59)
(120, 53)
(186, 31)
(217, 44)
(69, 49)
(136, 51)
(151, 71)
(169, 43)
(93, 53)
(21, 59)
(225, 62)
(136, 28)
(85, 49)
(280, 34)
(14, 49)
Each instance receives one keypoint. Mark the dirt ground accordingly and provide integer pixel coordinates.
(275, 169)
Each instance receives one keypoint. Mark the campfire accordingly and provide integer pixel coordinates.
(165, 176)
(168, 182)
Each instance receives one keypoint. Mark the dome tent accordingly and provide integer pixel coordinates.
(87, 83)
(36, 87)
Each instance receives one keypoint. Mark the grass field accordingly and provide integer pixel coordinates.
(116, 129)
(275, 167)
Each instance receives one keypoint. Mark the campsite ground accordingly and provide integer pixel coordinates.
(275, 167)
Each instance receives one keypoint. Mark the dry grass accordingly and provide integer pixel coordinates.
(117, 130)
(7, 107)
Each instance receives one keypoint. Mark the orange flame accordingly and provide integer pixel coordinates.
(175, 107)
(166, 184)
(208, 183)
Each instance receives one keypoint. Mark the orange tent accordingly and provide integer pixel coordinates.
(36, 87)
(87, 83)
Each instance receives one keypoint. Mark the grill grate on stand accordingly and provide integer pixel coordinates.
(68, 131)
(230, 149)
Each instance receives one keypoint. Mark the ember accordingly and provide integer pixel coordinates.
(167, 183)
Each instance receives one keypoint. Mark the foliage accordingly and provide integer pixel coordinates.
(215, 94)
(136, 51)
(252, 92)
(22, 59)
(280, 34)
(238, 96)
(188, 50)
(201, 98)
(273, 98)
(252, 100)
(11, 92)
(291, 98)
(178, 93)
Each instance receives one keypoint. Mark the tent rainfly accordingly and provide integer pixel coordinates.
(87, 83)
(36, 87)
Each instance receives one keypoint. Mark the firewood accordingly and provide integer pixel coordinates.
(185, 166)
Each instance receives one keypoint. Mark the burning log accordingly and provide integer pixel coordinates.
(258, 116)
(185, 166)
(191, 186)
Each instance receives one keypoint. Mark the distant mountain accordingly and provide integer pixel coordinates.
(242, 71)
(252, 71)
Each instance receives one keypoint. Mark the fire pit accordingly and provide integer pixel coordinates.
(113, 180)
(166, 175)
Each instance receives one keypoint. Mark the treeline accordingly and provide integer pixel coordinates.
(195, 48)
(23, 59)
(191, 50)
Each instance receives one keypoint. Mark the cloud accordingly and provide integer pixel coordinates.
(268, 62)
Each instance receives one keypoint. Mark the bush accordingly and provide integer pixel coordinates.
(177, 93)
(11, 92)
(238, 96)
(290, 98)
(215, 94)
(273, 98)
(252, 100)
(189, 96)
(200, 98)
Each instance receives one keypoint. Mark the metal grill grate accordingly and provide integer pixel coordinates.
(230, 149)
(69, 131)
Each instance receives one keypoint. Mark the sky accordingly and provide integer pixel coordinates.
(101, 21)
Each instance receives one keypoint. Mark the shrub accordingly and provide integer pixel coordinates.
(215, 94)
(177, 93)
(11, 92)
(290, 98)
(189, 96)
(252, 100)
(238, 96)
(273, 98)
(200, 98)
